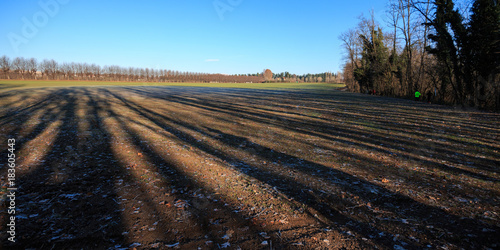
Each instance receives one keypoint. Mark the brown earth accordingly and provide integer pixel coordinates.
(208, 168)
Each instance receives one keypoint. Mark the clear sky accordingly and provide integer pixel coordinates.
(210, 36)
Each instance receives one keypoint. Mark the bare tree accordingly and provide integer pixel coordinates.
(18, 66)
(44, 68)
(74, 70)
(49, 68)
(408, 28)
(352, 50)
(5, 65)
(32, 65)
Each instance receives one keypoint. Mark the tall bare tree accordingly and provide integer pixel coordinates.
(18, 66)
(5, 65)
(32, 65)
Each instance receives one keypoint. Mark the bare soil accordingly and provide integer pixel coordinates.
(210, 168)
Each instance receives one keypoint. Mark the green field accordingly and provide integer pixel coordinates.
(281, 85)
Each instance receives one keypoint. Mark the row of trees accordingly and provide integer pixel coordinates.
(21, 68)
(450, 53)
(327, 77)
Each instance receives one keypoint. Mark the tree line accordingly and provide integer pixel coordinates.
(32, 69)
(21, 68)
(448, 51)
(326, 77)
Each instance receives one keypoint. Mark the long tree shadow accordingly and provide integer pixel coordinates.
(202, 225)
(10, 86)
(383, 197)
(25, 110)
(371, 193)
(381, 109)
(362, 138)
(264, 177)
(386, 111)
(177, 180)
(358, 138)
(375, 137)
(68, 201)
(14, 123)
(371, 138)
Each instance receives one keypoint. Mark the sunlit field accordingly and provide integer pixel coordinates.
(273, 85)
(197, 167)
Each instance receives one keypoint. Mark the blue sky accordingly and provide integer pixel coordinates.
(242, 36)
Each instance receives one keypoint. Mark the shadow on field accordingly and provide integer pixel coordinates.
(66, 197)
(359, 137)
(329, 206)
(69, 197)
(10, 86)
(200, 226)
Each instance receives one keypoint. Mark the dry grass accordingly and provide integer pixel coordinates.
(274, 86)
